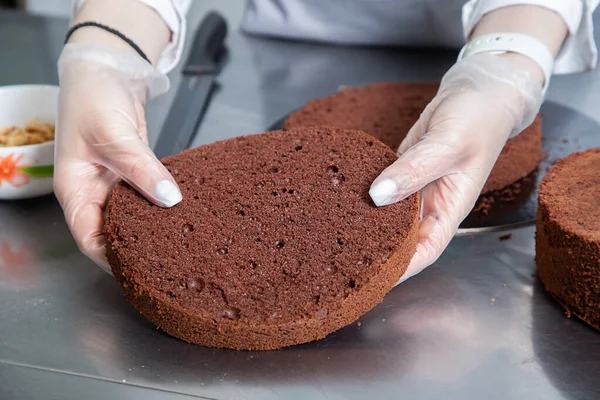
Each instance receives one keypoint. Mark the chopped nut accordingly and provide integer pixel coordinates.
(35, 139)
(17, 138)
(36, 125)
(36, 131)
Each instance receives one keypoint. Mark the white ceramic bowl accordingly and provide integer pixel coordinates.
(26, 171)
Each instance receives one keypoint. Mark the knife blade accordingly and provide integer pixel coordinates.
(196, 87)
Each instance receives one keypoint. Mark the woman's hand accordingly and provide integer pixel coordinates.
(101, 137)
(450, 151)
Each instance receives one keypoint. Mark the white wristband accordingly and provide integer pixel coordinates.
(514, 42)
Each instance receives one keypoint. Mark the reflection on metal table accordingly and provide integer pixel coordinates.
(477, 324)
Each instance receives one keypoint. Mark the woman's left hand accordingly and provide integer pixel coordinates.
(450, 151)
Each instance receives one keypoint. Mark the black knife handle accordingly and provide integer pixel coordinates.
(208, 42)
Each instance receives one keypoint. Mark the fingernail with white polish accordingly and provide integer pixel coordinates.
(383, 192)
(168, 193)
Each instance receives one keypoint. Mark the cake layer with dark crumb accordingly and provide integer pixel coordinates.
(275, 243)
(388, 110)
(568, 234)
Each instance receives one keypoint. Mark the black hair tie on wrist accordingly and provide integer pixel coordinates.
(111, 30)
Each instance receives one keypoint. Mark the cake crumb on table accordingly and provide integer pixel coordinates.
(504, 237)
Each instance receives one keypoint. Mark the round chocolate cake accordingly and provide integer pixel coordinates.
(388, 110)
(568, 234)
(275, 243)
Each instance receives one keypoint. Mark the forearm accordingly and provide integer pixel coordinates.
(132, 18)
(539, 22)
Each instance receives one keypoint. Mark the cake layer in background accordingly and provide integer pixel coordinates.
(388, 110)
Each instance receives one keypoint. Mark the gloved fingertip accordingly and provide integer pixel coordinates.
(416, 265)
(96, 251)
(168, 193)
(103, 263)
(383, 192)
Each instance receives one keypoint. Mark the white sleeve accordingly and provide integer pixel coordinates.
(173, 13)
(578, 52)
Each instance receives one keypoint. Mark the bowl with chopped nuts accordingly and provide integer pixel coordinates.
(27, 117)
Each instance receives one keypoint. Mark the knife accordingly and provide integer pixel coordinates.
(197, 84)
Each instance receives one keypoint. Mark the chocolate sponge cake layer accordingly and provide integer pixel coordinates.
(275, 243)
(568, 234)
(388, 110)
(385, 110)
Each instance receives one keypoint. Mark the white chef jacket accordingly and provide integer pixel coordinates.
(445, 23)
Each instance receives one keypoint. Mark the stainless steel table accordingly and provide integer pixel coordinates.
(476, 325)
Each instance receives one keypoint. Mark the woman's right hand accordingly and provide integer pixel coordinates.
(101, 137)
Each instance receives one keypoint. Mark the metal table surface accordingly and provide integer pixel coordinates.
(476, 324)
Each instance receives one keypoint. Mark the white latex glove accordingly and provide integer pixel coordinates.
(449, 153)
(101, 137)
